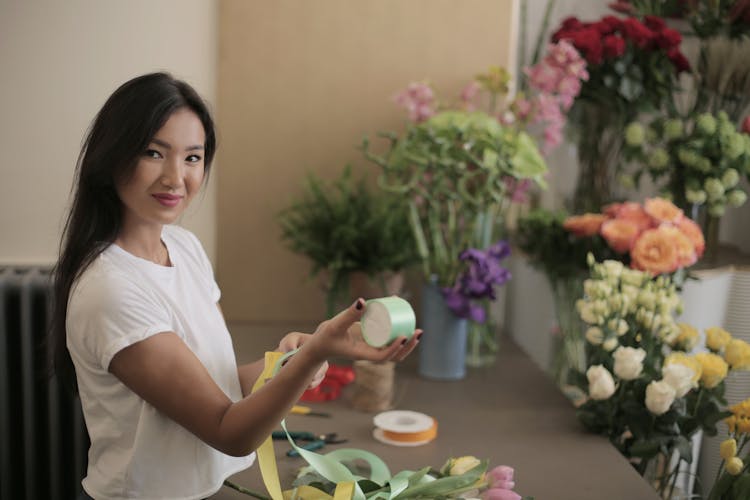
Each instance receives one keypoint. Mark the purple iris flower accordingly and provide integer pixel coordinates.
(478, 280)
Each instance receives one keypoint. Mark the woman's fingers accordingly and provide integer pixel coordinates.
(408, 347)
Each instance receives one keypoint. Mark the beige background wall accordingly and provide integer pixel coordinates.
(300, 84)
(60, 61)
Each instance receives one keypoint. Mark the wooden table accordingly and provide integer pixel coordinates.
(510, 413)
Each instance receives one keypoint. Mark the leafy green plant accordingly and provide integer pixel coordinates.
(455, 170)
(554, 250)
(343, 227)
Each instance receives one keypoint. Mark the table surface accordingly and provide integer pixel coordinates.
(510, 413)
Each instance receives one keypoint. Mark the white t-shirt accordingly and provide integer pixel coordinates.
(137, 452)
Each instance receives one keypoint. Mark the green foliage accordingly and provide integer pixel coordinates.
(344, 227)
(699, 160)
(552, 249)
(454, 170)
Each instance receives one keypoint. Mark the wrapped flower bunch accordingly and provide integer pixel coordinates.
(655, 236)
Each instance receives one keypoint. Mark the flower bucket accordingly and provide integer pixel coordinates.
(442, 350)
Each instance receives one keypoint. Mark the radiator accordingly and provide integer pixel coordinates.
(43, 439)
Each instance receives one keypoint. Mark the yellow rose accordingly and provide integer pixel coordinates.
(734, 465)
(737, 354)
(687, 337)
(689, 361)
(728, 449)
(714, 369)
(740, 419)
(717, 338)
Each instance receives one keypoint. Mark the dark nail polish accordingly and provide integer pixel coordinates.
(403, 342)
(360, 304)
(419, 335)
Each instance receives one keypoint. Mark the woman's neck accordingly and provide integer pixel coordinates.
(144, 242)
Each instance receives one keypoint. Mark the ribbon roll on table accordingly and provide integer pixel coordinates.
(386, 319)
(404, 428)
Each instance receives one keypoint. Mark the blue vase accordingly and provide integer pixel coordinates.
(442, 349)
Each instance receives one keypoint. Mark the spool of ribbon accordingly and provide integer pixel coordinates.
(387, 318)
(404, 428)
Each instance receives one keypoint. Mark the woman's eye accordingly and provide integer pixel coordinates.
(152, 153)
(193, 158)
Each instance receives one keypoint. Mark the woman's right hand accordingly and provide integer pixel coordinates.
(341, 336)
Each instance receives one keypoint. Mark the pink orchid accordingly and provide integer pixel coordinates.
(419, 101)
(469, 94)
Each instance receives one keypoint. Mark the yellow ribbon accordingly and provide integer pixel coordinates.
(267, 456)
(265, 452)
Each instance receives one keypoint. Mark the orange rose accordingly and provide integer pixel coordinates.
(611, 209)
(662, 210)
(584, 225)
(633, 211)
(655, 252)
(620, 234)
(686, 255)
(694, 233)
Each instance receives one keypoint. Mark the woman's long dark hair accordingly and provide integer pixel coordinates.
(118, 136)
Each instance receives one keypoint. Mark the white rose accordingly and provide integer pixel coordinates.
(610, 344)
(659, 397)
(680, 377)
(601, 383)
(595, 335)
(629, 362)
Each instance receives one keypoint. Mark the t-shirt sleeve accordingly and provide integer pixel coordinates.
(205, 265)
(107, 313)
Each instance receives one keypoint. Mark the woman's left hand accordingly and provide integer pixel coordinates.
(295, 340)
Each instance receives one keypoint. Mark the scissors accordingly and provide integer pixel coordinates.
(313, 441)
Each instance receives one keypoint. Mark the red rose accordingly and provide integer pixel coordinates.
(678, 59)
(654, 22)
(588, 42)
(572, 24)
(608, 25)
(614, 46)
(668, 38)
(637, 32)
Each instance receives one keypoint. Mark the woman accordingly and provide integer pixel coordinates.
(168, 411)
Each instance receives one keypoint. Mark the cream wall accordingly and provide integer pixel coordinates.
(300, 84)
(60, 60)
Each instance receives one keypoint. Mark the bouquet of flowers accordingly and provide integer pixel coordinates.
(701, 160)
(733, 480)
(632, 64)
(462, 477)
(642, 388)
(454, 169)
(633, 67)
(655, 237)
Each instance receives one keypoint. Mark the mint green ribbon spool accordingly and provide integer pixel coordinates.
(386, 319)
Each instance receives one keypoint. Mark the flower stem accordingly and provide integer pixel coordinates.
(244, 490)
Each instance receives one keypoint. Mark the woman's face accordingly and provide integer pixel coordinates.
(168, 173)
